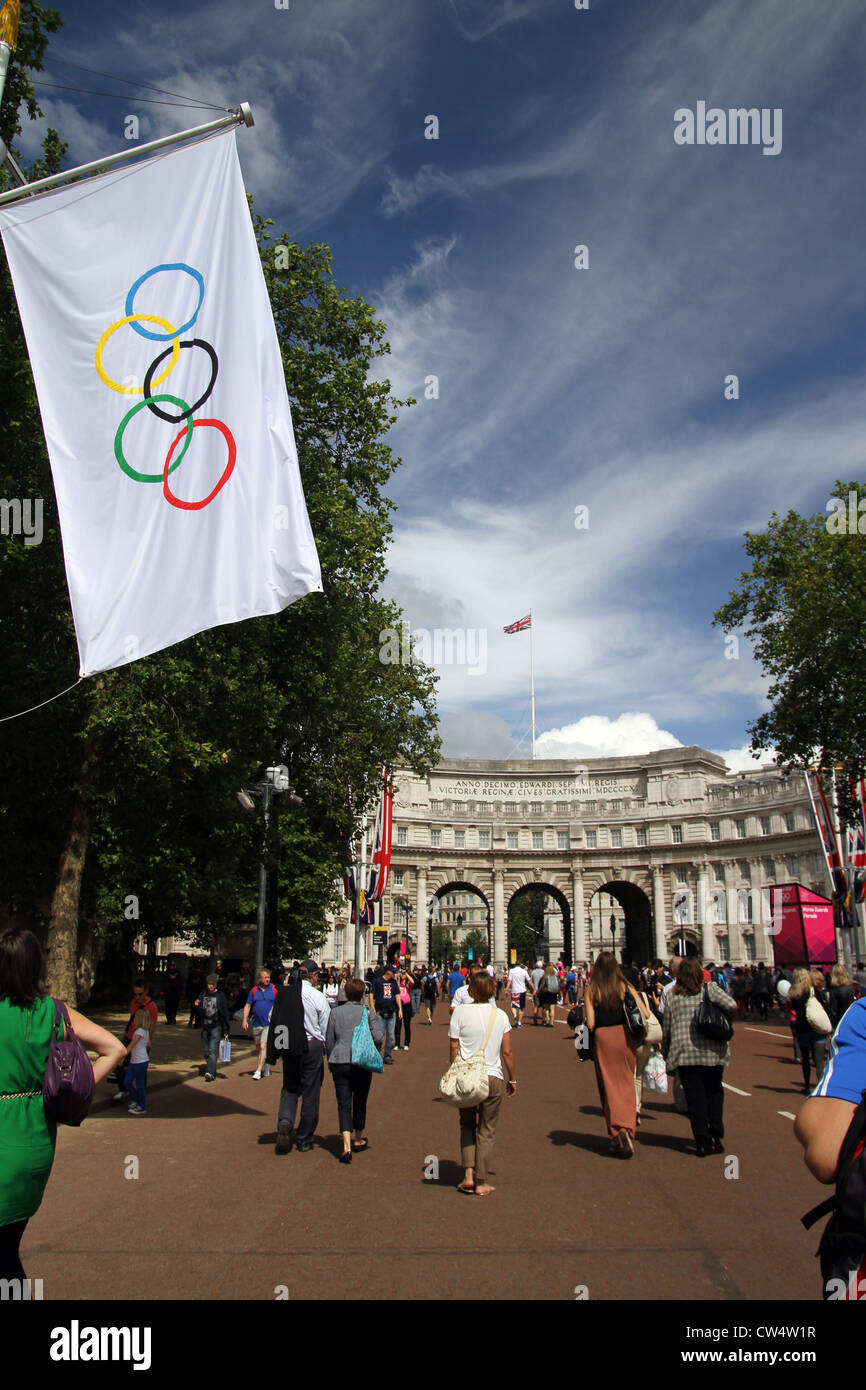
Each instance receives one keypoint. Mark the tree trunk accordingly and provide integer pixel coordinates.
(63, 927)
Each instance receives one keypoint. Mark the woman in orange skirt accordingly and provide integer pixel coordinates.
(614, 1050)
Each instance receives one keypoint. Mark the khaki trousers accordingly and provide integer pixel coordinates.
(478, 1130)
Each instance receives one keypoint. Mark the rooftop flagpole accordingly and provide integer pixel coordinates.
(239, 115)
(532, 683)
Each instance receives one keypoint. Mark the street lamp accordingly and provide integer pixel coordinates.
(274, 782)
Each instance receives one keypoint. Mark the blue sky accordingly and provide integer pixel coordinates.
(558, 388)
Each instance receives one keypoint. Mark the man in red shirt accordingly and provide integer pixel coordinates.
(140, 1000)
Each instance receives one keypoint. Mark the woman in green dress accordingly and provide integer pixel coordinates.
(27, 1135)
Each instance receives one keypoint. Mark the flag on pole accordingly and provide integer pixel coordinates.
(829, 842)
(381, 866)
(163, 399)
(521, 625)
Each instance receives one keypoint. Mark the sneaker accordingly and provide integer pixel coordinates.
(120, 1095)
(405, 1048)
(135, 1109)
(208, 1077)
(257, 1076)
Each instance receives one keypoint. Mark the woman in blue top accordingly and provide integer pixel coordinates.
(27, 1135)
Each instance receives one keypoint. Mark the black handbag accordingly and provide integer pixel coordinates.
(711, 1021)
(634, 1018)
(575, 1017)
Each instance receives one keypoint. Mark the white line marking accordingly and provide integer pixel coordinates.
(787, 1114)
(766, 1032)
(734, 1089)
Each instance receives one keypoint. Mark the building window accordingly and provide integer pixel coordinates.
(398, 878)
(741, 829)
(538, 839)
(592, 839)
(459, 839)
(715, 830)
(793, 866)
(536, 808)
(765, 825)
(789, 821)
(769, 868)
(723, 948)
(749, 944)
(402, 835)
(677, 834)
(682, 874)
(616, 839)
(745, 869)
(484, 839)
(511, 839)
(719, 871)
(562, 839)
(435, 839)
(641, 835)
(338, 943)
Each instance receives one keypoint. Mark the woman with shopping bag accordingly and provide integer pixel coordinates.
(474, 1028)
(352, 1064)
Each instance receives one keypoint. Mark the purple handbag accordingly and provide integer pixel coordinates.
(67, 1091)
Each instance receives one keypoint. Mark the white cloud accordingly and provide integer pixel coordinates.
(597, 736)
(741, 759)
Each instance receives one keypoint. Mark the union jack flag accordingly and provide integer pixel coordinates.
(830, 843)
(381, 866)
(521, 625)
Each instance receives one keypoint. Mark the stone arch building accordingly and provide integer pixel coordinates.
(678, 850)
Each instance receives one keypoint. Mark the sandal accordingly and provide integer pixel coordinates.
(359, 1145)
(466, 1187)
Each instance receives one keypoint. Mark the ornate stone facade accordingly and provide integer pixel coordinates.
(685, 850)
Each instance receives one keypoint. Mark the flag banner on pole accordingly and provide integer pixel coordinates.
(521, 625)
(829, 841)
(381, 867)
(164, 403)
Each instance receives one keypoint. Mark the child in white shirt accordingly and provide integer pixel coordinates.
(136, 1074)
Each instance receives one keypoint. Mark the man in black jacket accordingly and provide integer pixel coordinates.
(212, 1012)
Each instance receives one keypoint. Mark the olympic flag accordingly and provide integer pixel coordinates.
(164, 403)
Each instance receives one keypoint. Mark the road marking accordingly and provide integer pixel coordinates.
(734, 1089)
(766, 1032)
(787, 1114)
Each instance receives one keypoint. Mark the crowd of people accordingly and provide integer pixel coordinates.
(670, 1022)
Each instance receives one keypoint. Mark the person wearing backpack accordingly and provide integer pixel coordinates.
(261, 1001)
(351, 1082)
(831, 1127)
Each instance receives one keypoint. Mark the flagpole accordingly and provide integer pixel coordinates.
(532, 683)
(8, 41)
(844, 939)
(360, 886)
(240, 115)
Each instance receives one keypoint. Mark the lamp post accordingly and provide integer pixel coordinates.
(274, 782)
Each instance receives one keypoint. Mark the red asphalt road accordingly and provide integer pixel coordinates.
(215, 1213)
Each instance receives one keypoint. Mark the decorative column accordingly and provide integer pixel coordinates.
(421, 924)
(735, 939)
(579, 915)
(500, 930)
(708, 944)
(756, 867)
(659, 914)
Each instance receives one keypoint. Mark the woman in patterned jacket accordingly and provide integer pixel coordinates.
(698, 1061)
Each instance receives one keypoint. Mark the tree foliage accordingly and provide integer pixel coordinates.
(802, 605)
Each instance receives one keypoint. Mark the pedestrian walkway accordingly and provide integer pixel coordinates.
(214, 1213)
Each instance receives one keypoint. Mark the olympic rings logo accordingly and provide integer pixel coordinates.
(171, 336)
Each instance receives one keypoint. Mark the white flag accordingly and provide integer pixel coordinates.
(164, 403)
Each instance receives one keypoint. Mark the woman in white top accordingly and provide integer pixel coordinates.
(478, 1122)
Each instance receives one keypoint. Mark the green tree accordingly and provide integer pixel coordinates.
(476, 941)
(442, 948)
(522, 926)
(801, 604)
(131, 778)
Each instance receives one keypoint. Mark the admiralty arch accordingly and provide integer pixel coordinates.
(661, 854)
